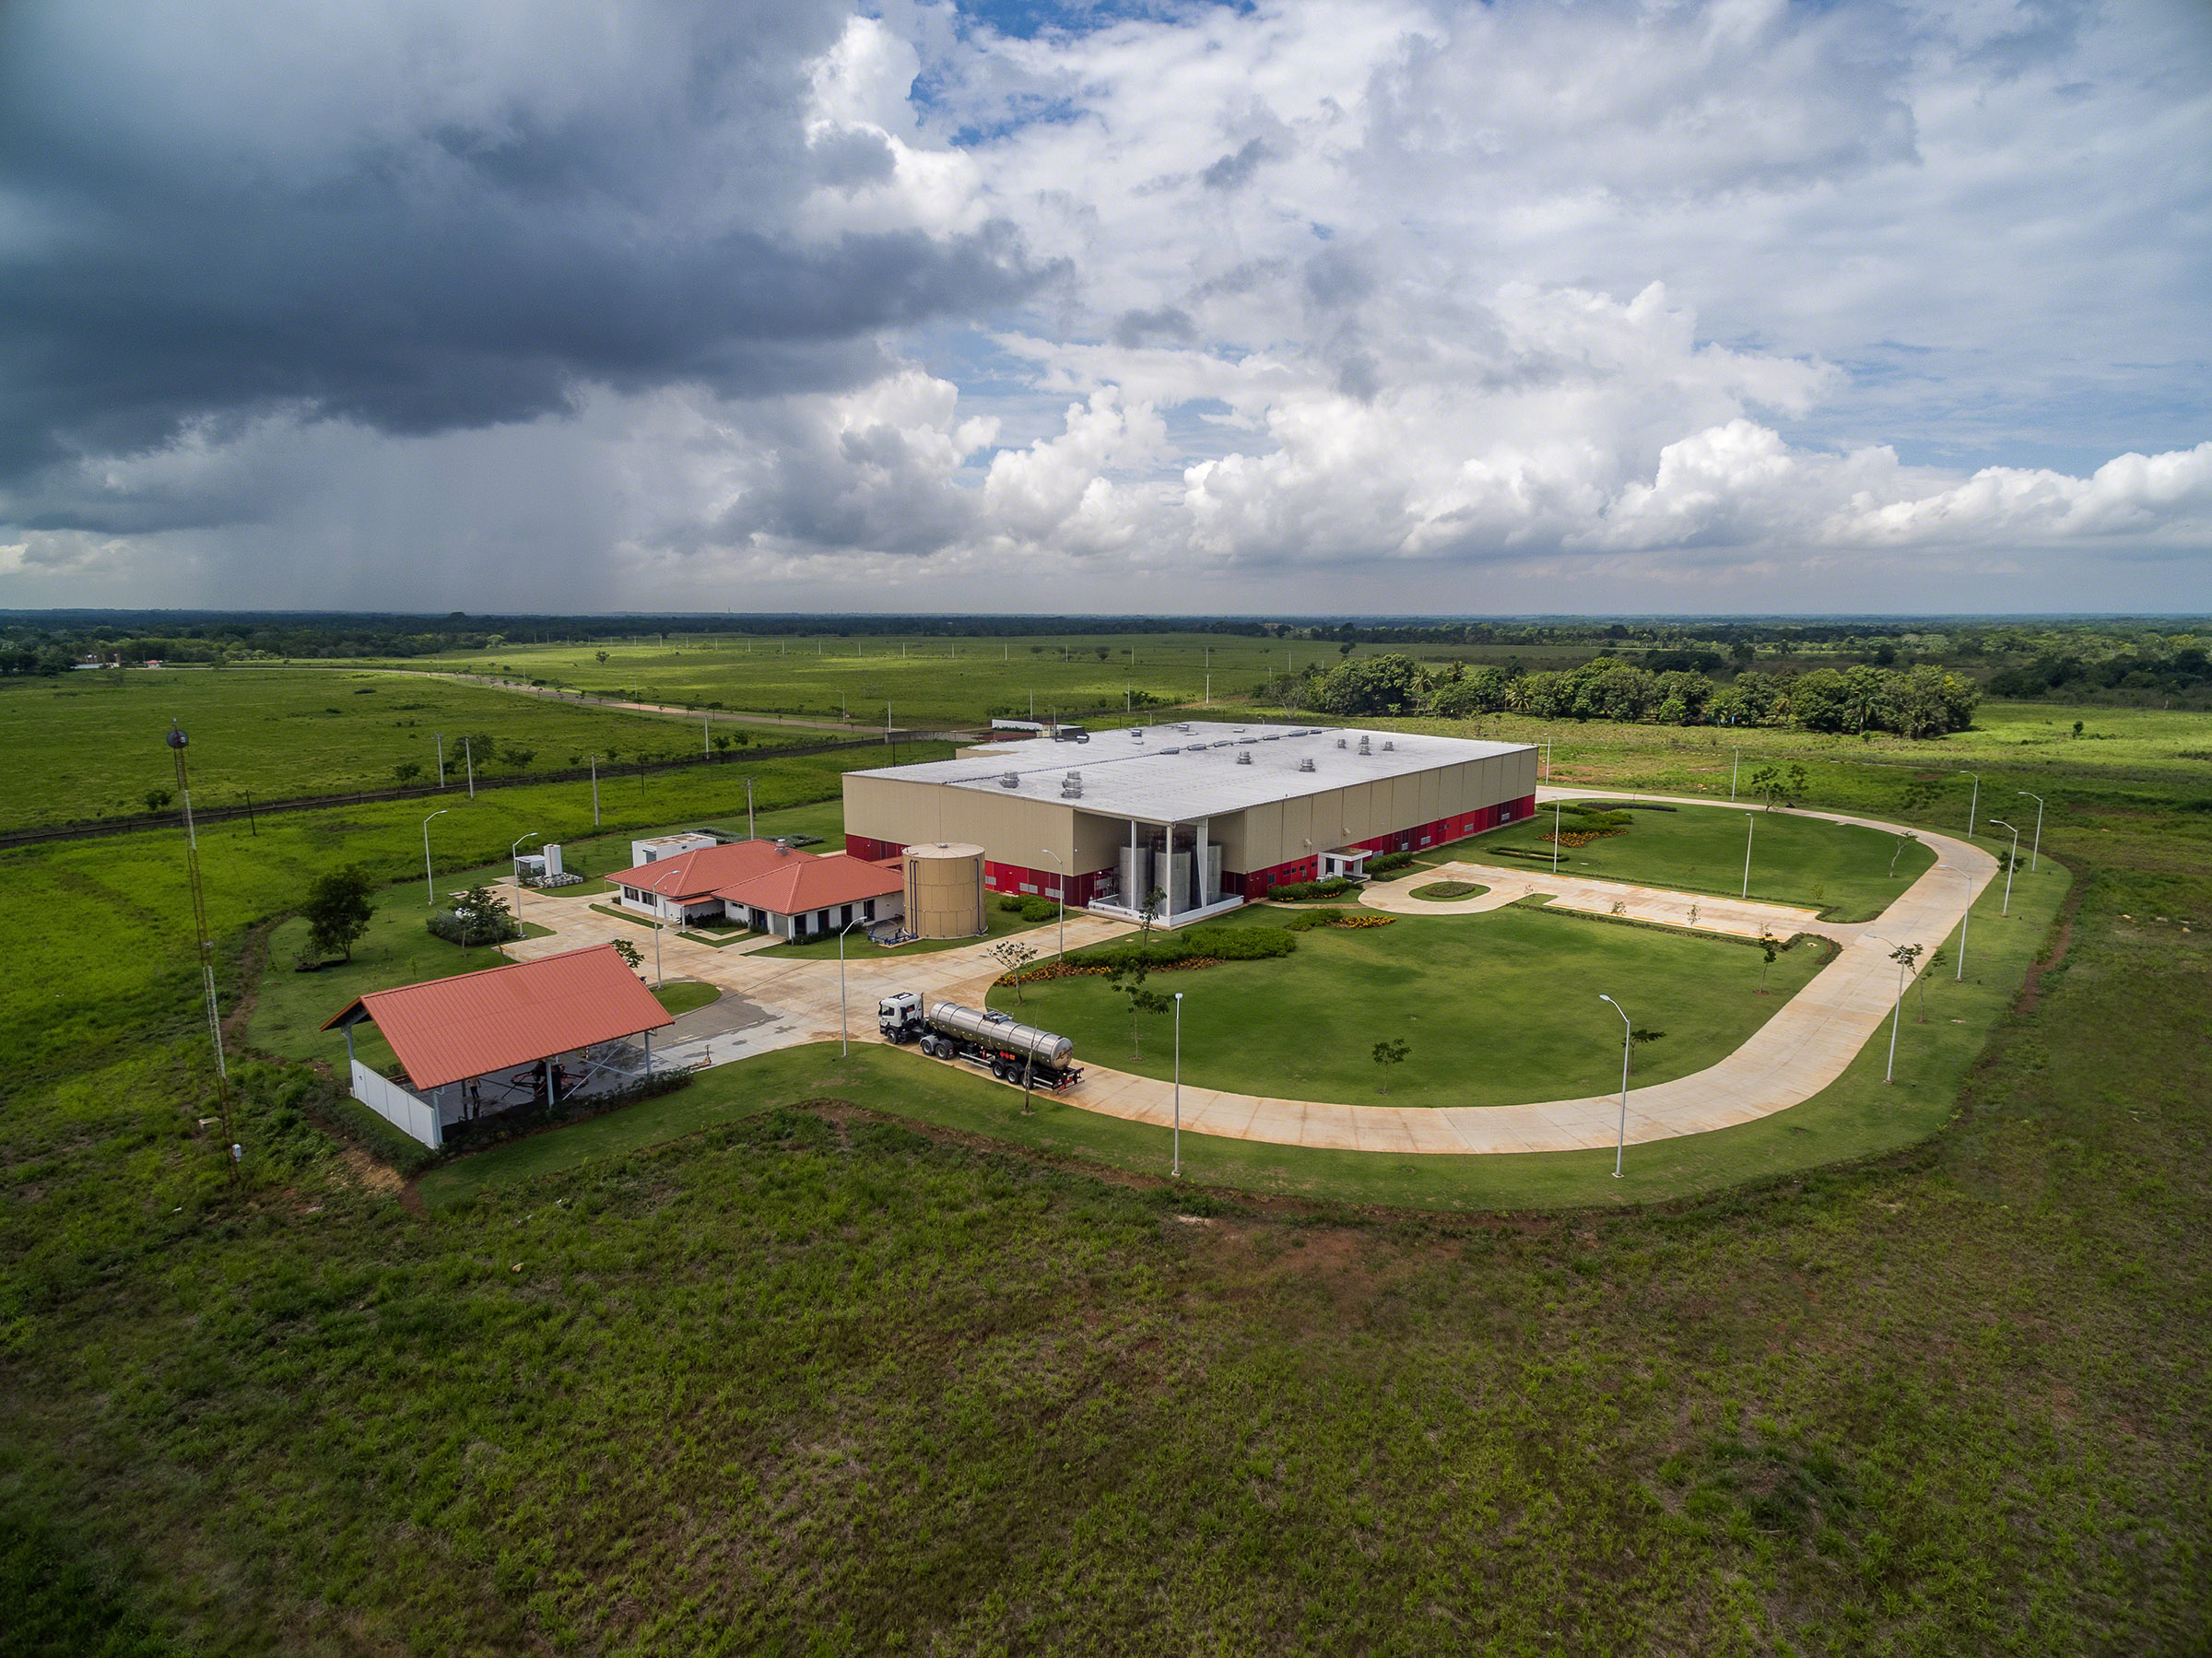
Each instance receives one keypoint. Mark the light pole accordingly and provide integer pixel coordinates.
(1175, 1168)
(1627, 1031)
(515, 865)
(1965, 915)
(844, 1046)
(1974, 806)
(1735, 766)
(2036, 852)
(594, 759)
(2006, 909)
(1061, 870)
(1546, 746)
(1897, 954)
(441, 737)
(469, 756)
(1750, 822)
(748, 809)
(429, 889)
(1555, 837)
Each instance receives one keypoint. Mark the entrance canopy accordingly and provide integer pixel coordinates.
(476, 1023)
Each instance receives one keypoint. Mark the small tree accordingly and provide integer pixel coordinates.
(1149, 914)
(337, 910)
(600, 654)
(1765, 783)
(158, 798)
(631, 959)
(1897, 851)
(407, 771)
(1129, 978)
(1013, 956)
(1906, 956)
(1387, 1055)
(1767, 945)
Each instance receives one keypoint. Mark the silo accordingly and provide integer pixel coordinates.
(945, 890)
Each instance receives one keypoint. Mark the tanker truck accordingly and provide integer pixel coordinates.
(1010, 1052)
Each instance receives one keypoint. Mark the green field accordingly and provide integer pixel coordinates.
(90, 745)
(925, 681)
(1841, 870)
(716, 1372)
(1497, 1009)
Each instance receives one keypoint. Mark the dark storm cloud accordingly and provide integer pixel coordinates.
(421, 221)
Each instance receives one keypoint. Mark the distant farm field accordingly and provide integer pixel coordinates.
(90, 744)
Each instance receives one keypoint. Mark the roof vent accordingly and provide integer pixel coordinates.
(1306, 764)
(1247, 742)
(1243, 759)
(1071, 791)
(1271, 737)
(1010, 780)
(1363, 746)
(1170, 751)
(782, 847)
(1389, 748)
(1340, 742)
(1185, 728)
(1137, 732)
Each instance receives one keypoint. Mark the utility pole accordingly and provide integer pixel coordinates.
(441, 737)
(1750, 822)
(176, 741)
(748, 810)
(469, 755)
(594, 759)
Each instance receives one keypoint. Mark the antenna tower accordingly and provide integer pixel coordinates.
(231, 1152)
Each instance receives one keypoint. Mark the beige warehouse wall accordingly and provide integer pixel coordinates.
(1010, 828)
(1282, 832)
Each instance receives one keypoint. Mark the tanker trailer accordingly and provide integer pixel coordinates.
(1011, 1052)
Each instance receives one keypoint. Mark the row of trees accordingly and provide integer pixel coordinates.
(1918, 701)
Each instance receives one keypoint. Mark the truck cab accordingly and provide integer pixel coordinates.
(899, 1017)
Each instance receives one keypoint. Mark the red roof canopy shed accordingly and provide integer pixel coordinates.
(476, 1023)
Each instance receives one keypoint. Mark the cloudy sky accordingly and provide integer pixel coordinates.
(1304, 305)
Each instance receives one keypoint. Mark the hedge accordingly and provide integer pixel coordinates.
(1217, 944)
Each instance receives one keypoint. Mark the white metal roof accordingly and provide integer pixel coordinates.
(1179, 773)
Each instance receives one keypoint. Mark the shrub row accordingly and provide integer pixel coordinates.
(1217, 944)
(1389, 861)
(1336, 918)
(1294, 892)
(1030, 907)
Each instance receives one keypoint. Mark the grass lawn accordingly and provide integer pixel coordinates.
(86, 746)
(1841, 870)
(999, 923)
(1444, 892)
(1500, 1008)
(682, 995)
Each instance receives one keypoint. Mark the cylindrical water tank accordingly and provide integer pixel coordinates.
(945, 890)
(1136, 874)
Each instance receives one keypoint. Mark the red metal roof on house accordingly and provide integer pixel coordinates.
(794, 887)
(699, 874)
(476, 1023)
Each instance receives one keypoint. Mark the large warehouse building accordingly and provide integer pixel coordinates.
(1209, 814)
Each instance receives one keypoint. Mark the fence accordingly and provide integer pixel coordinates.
(413, 1117)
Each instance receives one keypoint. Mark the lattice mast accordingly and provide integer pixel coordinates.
(233, 1151)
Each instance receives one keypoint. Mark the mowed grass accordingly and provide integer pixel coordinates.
(89, 746)
(1497, 1008)
(1841, 870)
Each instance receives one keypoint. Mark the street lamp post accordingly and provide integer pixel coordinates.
(1750, 822)
(844, 1045)
(1734, 767)
(594, 759)
(749, 808)
(1555, 837)
(1897, 954)
(2035, 852)
(468, 756)
(430, 888)
(1175, 1168)
(1627, 1031)
(1974, 806)
(1061, 870)
(2006, 909)
(1964, 916)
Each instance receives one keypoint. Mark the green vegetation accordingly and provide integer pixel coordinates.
(798, 1381)
(1841, 870)
(89, 746)
(1444, 892)
(1501, 1007)
(680, 996)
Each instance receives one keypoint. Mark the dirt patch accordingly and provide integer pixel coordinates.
(2053, 952)
(377, 1179)
(252, 961)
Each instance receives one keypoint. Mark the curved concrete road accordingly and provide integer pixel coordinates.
(1805, 1046)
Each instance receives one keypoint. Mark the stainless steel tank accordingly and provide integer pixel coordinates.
(1000, 1031)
